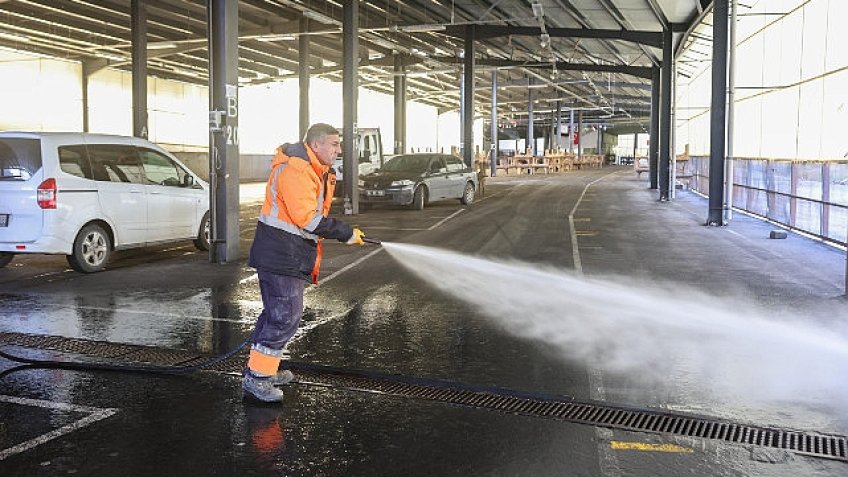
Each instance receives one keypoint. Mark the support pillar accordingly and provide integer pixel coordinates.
(468, 99)
(635, 146)
(718, 118)
(303, 77)
(350, 42)
(138, 27)
(579, 134)
(571, 131)
(223, 142)
(665, 117)
(493, 160)
(531, 139)
(654, 140)
(558, 124)
(400, 106)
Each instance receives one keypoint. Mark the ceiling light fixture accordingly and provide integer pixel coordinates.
(421, 28)
(538, 11)
(276, 37)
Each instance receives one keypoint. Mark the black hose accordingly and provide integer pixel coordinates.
(44, 363)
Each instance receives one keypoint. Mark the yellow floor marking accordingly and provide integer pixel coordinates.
(645, 447)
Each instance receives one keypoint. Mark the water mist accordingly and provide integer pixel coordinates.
(725, 347)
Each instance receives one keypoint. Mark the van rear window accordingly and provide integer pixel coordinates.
(19, 158)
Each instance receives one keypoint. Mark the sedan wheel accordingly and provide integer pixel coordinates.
(419, 198)
(468, 195)
(91, 251)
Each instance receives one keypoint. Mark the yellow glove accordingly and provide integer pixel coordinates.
(356, 238)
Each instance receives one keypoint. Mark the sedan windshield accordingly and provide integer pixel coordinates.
(407, 164)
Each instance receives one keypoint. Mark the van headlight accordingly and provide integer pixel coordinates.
(402, 183)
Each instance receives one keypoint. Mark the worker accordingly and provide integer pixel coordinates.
(286, 251)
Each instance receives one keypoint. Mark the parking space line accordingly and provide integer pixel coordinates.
(96, 414)
(345, 268)
(439, 223)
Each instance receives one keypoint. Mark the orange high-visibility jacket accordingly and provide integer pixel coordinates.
(294, 216)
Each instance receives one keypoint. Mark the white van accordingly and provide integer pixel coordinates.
(85, 195)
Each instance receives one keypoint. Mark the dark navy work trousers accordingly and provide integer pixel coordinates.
(282, 299)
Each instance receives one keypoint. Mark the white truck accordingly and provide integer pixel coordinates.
(369, 146)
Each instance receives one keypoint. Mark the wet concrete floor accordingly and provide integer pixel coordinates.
(376, 315)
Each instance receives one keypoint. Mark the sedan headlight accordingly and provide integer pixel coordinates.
(403, 183)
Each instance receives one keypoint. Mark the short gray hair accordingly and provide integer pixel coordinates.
(318, 132)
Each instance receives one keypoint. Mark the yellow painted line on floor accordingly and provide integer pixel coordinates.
(646, 447)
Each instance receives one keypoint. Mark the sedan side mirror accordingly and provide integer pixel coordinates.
(188, 180)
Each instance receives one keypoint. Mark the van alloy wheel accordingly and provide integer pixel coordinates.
(204, 234)
(91, 251)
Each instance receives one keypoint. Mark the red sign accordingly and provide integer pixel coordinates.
(576, 136)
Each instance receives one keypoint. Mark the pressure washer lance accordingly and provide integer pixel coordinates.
(372, 241)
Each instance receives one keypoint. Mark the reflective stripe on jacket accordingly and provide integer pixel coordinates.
(294, 218)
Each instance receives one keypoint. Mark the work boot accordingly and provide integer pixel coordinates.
(283, 377)
(261, 388)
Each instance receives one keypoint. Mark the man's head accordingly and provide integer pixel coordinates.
(324, 141)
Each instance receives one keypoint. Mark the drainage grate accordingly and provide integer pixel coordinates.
(503, 400)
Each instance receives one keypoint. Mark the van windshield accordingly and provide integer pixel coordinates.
(19, 158)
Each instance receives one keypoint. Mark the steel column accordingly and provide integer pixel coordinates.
(579, 134)
(571, 131)
(665, 117)
(635, 146)
(223, 142)
(493, 161)
(84, 84)
(138, 27)
(600, 140)
(531, 139)
(303, 77)
(350, 43)
(468, 98)
(825, 209)
(717, 112)
(558, 123)
(654, 141)
(731, 108)
(400, 106)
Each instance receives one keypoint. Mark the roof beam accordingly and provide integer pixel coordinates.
(640, 71)
(649, 38)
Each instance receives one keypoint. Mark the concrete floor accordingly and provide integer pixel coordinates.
(626, 300)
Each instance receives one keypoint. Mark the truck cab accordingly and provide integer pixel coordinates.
(369, 147)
